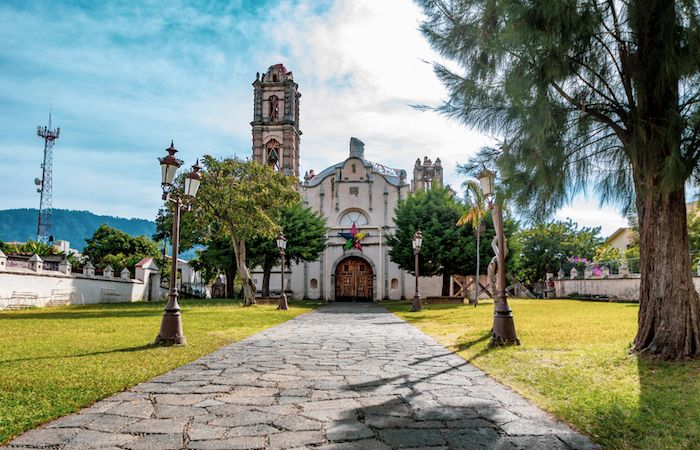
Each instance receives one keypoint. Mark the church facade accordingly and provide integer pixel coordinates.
(356, 196)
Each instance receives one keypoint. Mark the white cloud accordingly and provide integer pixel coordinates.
(124, 81)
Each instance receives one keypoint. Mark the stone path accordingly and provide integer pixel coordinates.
(342, 377)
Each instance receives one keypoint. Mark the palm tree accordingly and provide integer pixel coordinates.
(476, 209)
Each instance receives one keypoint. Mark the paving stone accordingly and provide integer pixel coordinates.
(524, 426)
(329, 415)
(245, 400)
(98, 439)
(172, 411)
(290, 439)
(164, 426)
(379, 421)
(244, 442)
(111, 423)
(73, 420)
(251, 430)
(344, 403)
(363, 444)
(347, 430)
(208, 402)
(244, 418)
(297, 423)
(348, 376)
(201, 431)
(44, 437)
(180, 399)
(156, 442)
(412, 437)
(477, 438)
(134, 408)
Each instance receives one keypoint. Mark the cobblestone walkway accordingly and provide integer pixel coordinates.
(342, 377)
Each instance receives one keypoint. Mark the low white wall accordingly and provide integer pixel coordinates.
(23, 288)
(616, 288)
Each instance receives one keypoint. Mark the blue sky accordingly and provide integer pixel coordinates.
(126, 77)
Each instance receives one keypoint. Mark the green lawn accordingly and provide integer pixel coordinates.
(55, 361)
(574, 362)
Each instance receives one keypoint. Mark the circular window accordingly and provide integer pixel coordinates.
(353, 217)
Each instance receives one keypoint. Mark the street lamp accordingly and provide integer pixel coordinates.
(417, 242)
(171, 324)
(282, 246)
(503, 324)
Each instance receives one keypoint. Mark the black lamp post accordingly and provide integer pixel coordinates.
(282, 246)
(171, 324)
(503, 324)
(417, 242)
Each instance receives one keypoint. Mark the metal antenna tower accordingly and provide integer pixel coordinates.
(44, 229)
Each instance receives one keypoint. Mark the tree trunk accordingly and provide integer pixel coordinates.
(267, 271)
(669, 306)
(243, 272)
(230, 277)
(446, 279)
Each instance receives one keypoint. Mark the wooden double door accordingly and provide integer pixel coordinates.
(354, 281)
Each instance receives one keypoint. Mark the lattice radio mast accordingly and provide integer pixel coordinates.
(44, 230)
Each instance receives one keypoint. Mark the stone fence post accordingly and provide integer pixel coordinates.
(36, 263)
(89, 269)
(574, 273)
(125, 275)
(3, 261)
(64, 266)
(108, 271)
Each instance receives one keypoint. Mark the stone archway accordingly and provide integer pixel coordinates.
(354, 280)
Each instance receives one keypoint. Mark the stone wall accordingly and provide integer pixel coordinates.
(613, 288)
(22, 287)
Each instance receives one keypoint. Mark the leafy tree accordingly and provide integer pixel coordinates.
(109, 246)
(29, 248)
(217, 257)
(545, 247)
(586, 92)
(244, 198)
(305, 231)
(694, 234)
(192, 231)
(607, 254)
(477, 209)
(447, 249)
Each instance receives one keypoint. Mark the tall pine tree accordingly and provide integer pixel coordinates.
(590, 92)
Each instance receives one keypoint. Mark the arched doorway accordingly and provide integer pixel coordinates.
(354, 280)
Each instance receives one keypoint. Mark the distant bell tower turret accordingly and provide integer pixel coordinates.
(276, 132)
(426, 174)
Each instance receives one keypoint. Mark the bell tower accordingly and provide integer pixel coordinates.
(276, 132)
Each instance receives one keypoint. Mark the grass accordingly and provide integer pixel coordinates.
(56, 361)
(574, 362)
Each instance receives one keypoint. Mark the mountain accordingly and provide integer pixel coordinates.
(68, 225)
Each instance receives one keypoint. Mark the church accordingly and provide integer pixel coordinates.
(356, 196)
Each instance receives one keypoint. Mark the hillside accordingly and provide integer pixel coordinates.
(68, 225)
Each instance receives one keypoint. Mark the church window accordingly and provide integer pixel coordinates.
(274, 77)
(394, 283)
(273, 153)
(314, 283)
(353, 217)
(355, 191)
